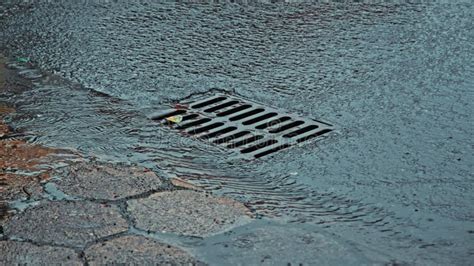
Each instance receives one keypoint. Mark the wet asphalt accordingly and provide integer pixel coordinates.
(393, 182)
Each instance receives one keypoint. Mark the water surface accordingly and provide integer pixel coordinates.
(396, 80)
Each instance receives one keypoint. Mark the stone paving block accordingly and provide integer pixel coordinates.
(3, 214)
(137, 250)
(4, 130)
(23, 253)
(187, 213)
(107, 181)
(70, 223)
(15, 187)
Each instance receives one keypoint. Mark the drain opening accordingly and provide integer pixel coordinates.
(245, 141)
(259, 146)
(247, 114)
(219, 132)
(235, 110)
(194, 123)
(220, 106)
(231, 137)
(208, 102)
(286, 127)
(189, 117)
(205, 128)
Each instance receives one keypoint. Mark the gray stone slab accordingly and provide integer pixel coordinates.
(15, 187)
(23, 253)
(137, 250)
(187, 213)
(71, 223)
(107, 181)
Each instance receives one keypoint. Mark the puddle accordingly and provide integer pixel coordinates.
(393, 78)
(53, 193)
(113, 129)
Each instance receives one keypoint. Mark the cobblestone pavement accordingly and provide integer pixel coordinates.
(86, 211)
(102, 224)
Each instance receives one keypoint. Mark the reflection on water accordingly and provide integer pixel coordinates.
(396, 80)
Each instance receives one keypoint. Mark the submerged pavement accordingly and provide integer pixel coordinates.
(92, 213)
(86, 212)
(76, 212)
(93, 222)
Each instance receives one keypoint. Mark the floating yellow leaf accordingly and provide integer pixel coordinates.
(175, 119)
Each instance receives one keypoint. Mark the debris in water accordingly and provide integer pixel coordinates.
(175, 119)
(181, 106)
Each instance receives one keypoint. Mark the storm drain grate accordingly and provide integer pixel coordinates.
(253, 129)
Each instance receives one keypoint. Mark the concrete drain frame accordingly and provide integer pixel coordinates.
(252, 128)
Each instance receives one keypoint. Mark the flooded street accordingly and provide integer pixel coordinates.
(392, 183)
